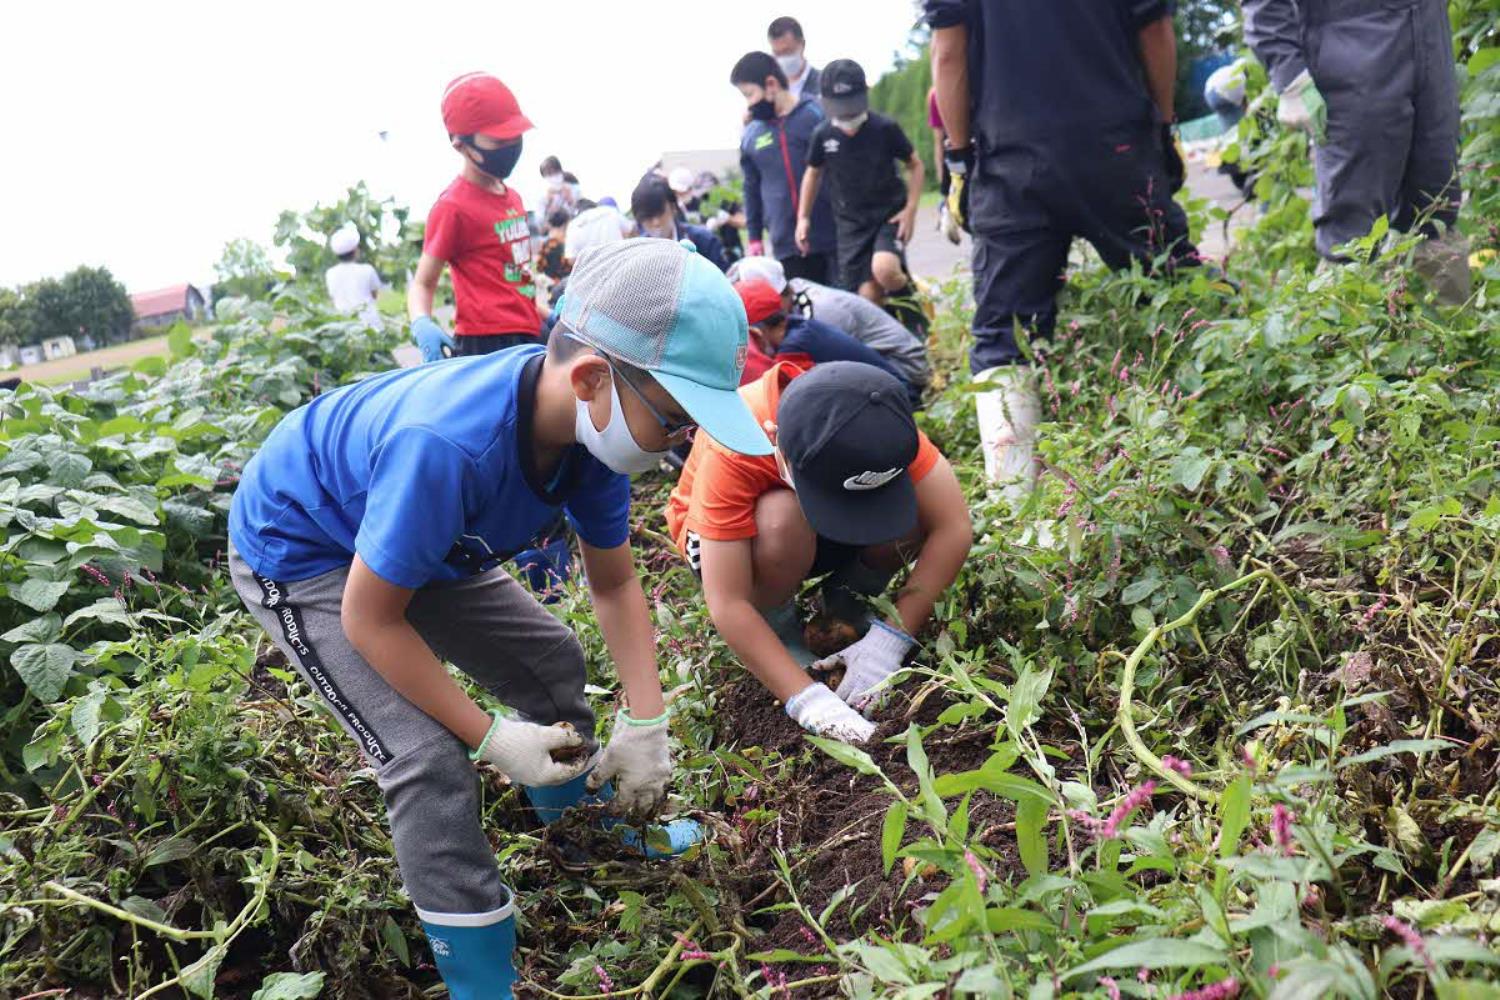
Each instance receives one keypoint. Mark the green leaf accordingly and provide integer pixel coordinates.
(1025, 704)
(1031, 839)
(85, 715)
(145, 908)
(1004, 919)
(40, 595)
(180, 343)
(45, 668)
(1483, 60)
(891, 833)
(105, 609)
(171, 849)
(198, 978)
(1160, 953)
(290, 986)
(1234, 815)
(395, 940)
(1140, 589)
(1467, 989)
(1190, 468)
(1398, 746)
(128, 507)
(43, 629)
(847, 755)
(68, 469)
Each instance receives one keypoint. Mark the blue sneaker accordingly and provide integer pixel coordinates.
(475, 952)
(658, 840)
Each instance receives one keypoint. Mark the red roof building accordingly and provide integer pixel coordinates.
(167, 305)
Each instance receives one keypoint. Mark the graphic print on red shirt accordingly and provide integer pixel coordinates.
(483, 236)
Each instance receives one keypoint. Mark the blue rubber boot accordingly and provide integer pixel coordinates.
(547, 568)
(659, 840)
(475, 952)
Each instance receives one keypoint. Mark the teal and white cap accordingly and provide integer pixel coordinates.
(661, 307)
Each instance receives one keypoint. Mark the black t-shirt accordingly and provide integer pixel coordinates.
(861, 168)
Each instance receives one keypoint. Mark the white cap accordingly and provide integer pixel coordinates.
(767, 269)
(593, 228)
(680, 179)
(1228, 82)
(345, 240)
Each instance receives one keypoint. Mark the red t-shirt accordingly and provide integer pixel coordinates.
(483, 236)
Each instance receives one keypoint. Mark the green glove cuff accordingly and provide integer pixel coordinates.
(631, 720)
(478, 751)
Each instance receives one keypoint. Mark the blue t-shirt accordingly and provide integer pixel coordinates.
(426, 472)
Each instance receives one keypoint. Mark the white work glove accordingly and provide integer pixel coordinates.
(522, 751)
(820, 712)
(867, 662)
(1302, 107)
(636, 758)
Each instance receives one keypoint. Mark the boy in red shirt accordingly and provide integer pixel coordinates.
(854, 491)
(478, 229)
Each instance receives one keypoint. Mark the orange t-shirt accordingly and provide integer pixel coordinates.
(716, 493)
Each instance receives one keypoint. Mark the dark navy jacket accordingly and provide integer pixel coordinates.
(773, 155)
(1044, 72)
(809, 342)
(707, 243)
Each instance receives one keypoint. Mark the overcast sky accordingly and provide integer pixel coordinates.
(142, 136)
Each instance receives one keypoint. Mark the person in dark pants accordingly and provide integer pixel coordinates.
(773, 156)
(478, 230)
(1375, 86)
(874, 210)
(1058, 120)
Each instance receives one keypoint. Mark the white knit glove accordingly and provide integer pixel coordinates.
(820, 712)
(638, 761)
(522, 751)
(1302, 107)
(867, 662)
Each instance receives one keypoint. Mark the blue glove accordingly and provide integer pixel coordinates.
(431, 338)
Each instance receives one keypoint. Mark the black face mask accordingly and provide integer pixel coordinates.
(498, 163)
(763, 110)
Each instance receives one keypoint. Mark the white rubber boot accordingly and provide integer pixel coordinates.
(1008, 414)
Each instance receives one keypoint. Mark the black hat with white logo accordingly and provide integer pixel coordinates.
(844, 91)
(847, 434)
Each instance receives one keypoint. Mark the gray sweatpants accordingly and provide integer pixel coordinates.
(1386, 70)
(489, 627)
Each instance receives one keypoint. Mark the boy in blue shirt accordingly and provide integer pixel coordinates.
(366, 534)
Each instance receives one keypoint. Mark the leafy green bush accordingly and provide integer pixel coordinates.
(1213, 714)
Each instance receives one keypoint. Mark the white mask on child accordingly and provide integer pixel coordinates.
(615, 446)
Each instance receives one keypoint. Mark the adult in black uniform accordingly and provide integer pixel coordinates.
(1058, 116)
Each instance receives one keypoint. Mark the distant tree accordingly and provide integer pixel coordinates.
(12, 317)
(245, 269)
(98, 306)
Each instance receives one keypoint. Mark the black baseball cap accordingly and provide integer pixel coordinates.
(846, 430)
(844, 91)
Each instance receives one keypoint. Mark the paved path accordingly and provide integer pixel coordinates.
(931, 256)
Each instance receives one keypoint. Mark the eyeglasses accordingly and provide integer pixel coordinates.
(671, 429)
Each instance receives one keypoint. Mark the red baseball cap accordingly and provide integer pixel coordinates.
(760, 299)
(479, 104)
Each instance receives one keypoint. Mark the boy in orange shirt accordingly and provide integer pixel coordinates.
(853, 490)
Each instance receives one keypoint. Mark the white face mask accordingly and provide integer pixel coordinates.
(554, 182)
(850, 124)
(791, 65)
(615, 446)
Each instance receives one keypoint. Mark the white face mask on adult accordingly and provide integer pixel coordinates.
(792, 64)
(615, 446)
